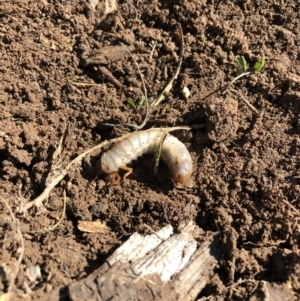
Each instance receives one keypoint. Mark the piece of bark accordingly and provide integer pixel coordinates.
(93, 227)
(161, 266)
(111, 78)
(105, 55)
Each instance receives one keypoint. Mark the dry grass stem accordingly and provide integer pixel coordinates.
(14, 273)
(169, 85)
(139, 127)
(56, 175)
(53, 227)
(249, 105)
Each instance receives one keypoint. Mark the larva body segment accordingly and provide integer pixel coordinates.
(177, 157)
(173, 153)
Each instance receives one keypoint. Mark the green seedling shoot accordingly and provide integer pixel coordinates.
(260, 64)
(131, 103)
(241, 71)
(241, 65)
(141, 101)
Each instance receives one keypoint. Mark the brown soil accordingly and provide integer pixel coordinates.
(245, 178)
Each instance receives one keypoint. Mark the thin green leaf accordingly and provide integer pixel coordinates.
(158, 153)
(260, 64)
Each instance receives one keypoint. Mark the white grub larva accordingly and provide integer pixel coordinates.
(174, 153)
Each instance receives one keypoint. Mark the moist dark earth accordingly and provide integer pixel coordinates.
(245, 182)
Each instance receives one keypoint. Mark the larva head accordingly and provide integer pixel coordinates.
(183, 172)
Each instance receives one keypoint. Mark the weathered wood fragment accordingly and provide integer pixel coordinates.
(161, 266)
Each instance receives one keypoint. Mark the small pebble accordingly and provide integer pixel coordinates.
(186, 92)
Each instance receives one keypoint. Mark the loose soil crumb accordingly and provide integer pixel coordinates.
(246, 180)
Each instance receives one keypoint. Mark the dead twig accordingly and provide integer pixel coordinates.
(233, 81)
(111, 78)
(291, 206)
(228, 288)
(165, 90)
(139, 127)
(152, 50)
(169, 85)
(63, 144)
(136, 127)
(246, 101)
(53, 227)
(153, 232)
(84, 84)
(15, 272)
(58, 174)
